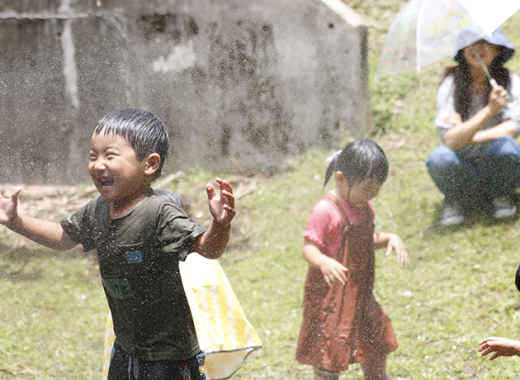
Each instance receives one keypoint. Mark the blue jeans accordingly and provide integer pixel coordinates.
(126, 367)
(495, 173)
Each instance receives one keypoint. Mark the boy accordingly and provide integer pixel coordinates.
(140, 235)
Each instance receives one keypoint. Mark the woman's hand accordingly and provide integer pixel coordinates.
(498, 99)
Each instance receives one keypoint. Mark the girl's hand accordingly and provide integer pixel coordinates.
(9, 207)
(222, 206)
(498, 99)
(333, 271)
(499, 347)
(396, 244)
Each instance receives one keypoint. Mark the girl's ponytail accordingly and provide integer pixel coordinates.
(332, 160)
(331, 168)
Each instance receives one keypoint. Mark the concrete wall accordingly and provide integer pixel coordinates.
(240, 84)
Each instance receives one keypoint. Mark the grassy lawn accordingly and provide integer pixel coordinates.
(458, 289)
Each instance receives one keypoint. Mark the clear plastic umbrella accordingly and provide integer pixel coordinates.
(490, 14)
(425, 31)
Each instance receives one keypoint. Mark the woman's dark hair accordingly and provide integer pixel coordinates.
(462, 80)
(145, 132)
(359, 160)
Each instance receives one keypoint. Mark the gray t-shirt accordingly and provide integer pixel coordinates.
(446, 107)
(138, 258)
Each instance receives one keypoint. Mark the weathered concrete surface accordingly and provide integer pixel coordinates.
(240, 84)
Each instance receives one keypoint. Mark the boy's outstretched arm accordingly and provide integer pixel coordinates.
(499, 347)
(211, 244)
(49, 234)
(392, 242)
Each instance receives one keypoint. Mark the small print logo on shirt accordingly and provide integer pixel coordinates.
(134, 257)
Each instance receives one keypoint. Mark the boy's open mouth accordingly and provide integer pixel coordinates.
(105, 181)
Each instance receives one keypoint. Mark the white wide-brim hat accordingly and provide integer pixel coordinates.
(470, 36)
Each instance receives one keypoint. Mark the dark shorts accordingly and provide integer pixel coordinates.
(126, 367)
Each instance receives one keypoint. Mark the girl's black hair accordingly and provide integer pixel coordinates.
(462, 80)
(145, 132)
(359, 160)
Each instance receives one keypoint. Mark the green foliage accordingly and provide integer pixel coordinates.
(388, 97)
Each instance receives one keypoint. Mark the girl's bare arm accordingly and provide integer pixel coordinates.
(331, 269)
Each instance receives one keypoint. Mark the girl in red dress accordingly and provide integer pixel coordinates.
(342, 321)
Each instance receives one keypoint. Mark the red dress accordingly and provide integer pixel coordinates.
(342, 324)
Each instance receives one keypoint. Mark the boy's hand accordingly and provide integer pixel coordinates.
(396, 244)
(9, 207)
(499, 347)
(222, 206)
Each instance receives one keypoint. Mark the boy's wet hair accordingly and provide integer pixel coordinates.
(359, 160)
(145, 132)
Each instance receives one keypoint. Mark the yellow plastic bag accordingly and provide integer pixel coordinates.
(223, 331)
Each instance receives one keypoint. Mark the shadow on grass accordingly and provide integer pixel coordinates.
(14, 261)
(480, 213)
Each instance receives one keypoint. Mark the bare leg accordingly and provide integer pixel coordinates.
(321, 374)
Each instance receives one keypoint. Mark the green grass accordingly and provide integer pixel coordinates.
(52, 312)
(457, 290)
